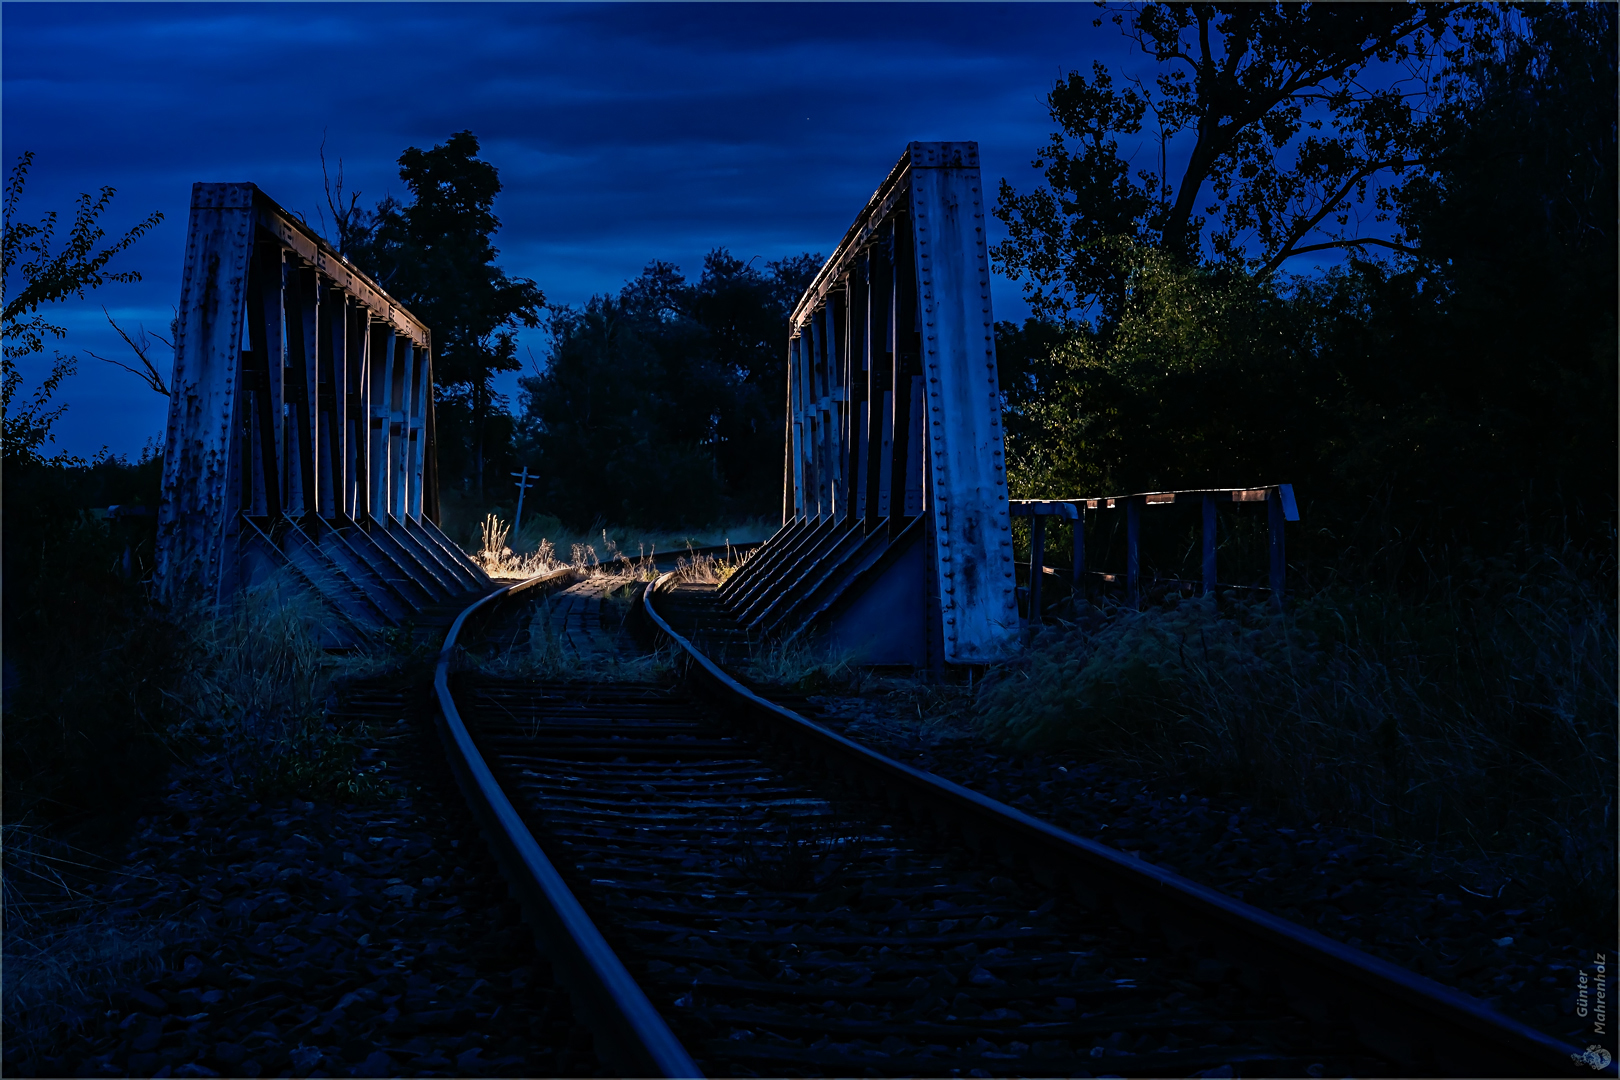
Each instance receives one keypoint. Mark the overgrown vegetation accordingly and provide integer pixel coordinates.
(802, 665)
(1475, 724)
(1445, 675)
(1445, 395)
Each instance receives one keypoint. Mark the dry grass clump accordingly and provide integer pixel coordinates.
(498, 560)
(1478, 726)
(544, 540)
(707, 569)
(254, 704)
(603, 554)
(800, 663)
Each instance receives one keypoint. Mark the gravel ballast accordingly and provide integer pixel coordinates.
(318, 938)
(1510, 951)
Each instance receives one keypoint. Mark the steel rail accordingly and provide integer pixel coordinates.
(630, 1036)
(1425, 1028)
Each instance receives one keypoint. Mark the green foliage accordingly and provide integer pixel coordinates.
(1294, 144)
(436, 256)
(1204, 379)
(1455, 396)
(44, 277)
(662, 407)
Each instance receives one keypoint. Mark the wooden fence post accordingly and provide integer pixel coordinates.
(1279, 561)
(1037, 560)
(1079, 589)
(1209, 545)
(1133, 552)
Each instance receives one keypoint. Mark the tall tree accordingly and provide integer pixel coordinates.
(436, 255)
(1464, 386)
(663, 406)
(1265, 108)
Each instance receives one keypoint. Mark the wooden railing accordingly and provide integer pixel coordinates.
(1280, 508)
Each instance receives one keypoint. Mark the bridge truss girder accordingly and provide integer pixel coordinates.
(896, 540)
(300, 424)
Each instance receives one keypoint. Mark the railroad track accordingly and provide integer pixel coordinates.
(728, 888)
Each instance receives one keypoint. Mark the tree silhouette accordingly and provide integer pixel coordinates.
(436, 256)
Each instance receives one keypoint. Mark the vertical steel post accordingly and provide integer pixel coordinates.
(1209, 545)
(1078, 588)
(1037, 561)
(1279, 562)
(1133, 551)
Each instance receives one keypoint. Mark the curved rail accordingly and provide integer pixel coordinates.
(1424, 1027)
(630, 1036)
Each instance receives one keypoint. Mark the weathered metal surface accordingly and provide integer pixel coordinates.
(894, 415)
(301, 425)
(202, 455)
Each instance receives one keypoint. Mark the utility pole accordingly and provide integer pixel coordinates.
(524, 480)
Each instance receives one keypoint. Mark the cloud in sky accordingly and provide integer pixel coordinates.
(623, 132)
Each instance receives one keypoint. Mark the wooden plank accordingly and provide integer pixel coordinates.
(795, 433)
(356, 411)
(398, 433)
(855, 365)
(299, 309)
(831, 406)
(880, 369)
(382, 379)
(331, 362)
(265, 368)
(419, 403)
(820, 496)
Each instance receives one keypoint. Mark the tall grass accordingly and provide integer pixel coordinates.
(243, 706)
(802, 664)
(256, 699)
(63, 947)
(1477, 725)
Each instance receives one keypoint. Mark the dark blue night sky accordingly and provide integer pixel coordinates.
(622, 132)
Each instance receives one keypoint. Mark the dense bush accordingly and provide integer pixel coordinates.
(1476, 722)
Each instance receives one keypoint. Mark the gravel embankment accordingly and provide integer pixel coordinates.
(330, 939)
(1512, 952)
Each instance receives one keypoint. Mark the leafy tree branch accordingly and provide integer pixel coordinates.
(1282, 131)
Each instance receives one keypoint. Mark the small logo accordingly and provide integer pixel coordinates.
(1595, 1056)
